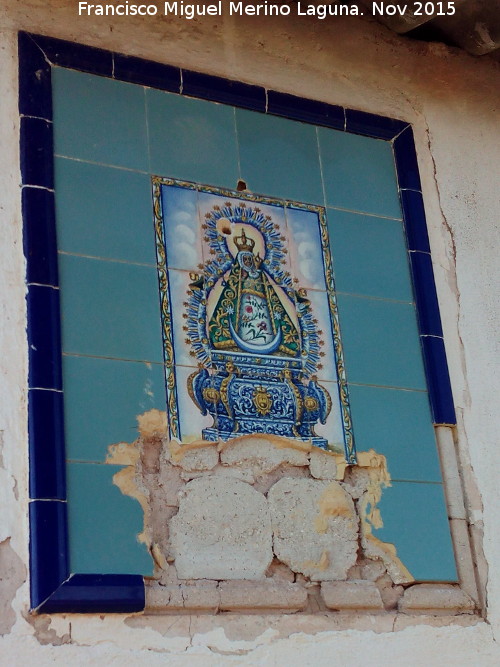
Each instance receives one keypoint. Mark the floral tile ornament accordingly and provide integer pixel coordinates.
(248, 322)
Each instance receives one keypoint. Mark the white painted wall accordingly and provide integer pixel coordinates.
(453, 101)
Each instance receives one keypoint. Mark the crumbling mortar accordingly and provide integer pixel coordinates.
(482, 587)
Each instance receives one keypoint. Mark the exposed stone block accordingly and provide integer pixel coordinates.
(199, 458)
(261, 454)
(280, 571)
(436, 599)
(352, 595)
(356, 481)
(323, 465)
(201, 596)
(372, 569)
(315, 527)
(222, 531)
(170, 483)
(269, 594)
(244, 474)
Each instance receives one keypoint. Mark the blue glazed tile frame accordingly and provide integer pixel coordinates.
(53, 587)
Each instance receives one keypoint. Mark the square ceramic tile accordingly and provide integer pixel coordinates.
(103, 523)
(415, 521)
(192, 139)
(279, 157)
(104, 212)
(320, 307)
(397, 424)
(179, 285)
(191, 422)
(305, 249)
(359, 173)
(381, 342)
(127, 388)
(333, 429)
(110, 309)
(369, 256)
(182, 228)
(90, 122)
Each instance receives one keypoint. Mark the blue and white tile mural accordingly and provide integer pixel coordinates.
(249, 318)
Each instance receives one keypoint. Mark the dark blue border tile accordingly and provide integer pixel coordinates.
(44, 338)
(35, 94)
(40, 245)
(48, 554)
(94, 593)
(217, 89)
(46, 445)
(371, 125)
(309, 111)
(406, 161)
(429, 320)
(37, 162)
(412, 204)
(147, 73)
(76, 56)
(438, 379)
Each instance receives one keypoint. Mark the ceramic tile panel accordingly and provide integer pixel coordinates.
(46, 445)
(260, 339)
(240, 296)
(415, 522)
(279, 157)
(191, 421)
(40, 247)
(103, 212)
(327, 368)
(359, 173)
(128, 389)
(381, 342)
(179, 285)
(103, 523)
(109, 309)
(333, 428)
(396, 423)
(369, 255)
(192, 139)
(90, 120)
(305, 249)
(44, 342)
(182, 227)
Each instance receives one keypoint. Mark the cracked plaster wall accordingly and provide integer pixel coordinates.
(452, 100)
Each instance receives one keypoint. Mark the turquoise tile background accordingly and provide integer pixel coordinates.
(415, 521)
(369, 255)
(99, 119)
(126, 388)
(104, 212)
(192, 139)
(103, 524)
(381, 342)
(359, 173)
(110, 309)
(279, 157)
(398, 424)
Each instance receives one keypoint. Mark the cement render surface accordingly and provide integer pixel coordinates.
(452, 100)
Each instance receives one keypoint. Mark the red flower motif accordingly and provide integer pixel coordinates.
(262, 326)
(249, 309)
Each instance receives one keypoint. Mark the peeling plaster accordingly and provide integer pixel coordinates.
(365, 67)
(12, 576)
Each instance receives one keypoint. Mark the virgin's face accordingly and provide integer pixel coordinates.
(248, 262)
